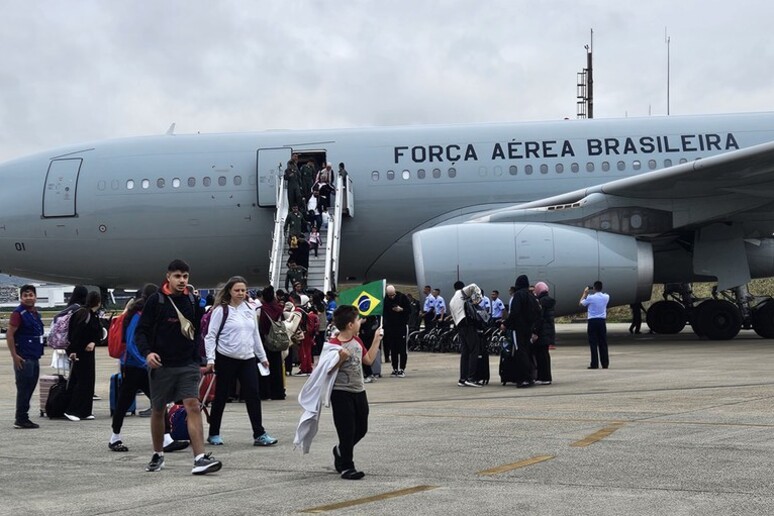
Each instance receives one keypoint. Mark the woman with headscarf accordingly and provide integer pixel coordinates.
(544, 334)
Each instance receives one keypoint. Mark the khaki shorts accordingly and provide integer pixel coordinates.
(170, 384)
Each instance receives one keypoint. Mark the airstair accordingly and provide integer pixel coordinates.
(323, 269)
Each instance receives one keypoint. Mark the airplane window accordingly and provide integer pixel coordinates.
(667, 162)
(481, 172)
(574, 167)
(421, 173)
(683, 160)
(176, 182)
(513, 170)
(652, 164)
(129, 184)
(605, 166)
(406, 175)
(145, 184)
(222, 181)
(101, 185)
(436, 173)
(528, 170)
(237, 180)
(559, 168)
(621, 165)
(544, 169)
(453, 172)
(375, 175)
(191, 182)
(637, 164)
(590, 166)
(206, 181)
(390, 175)
(114, 184)
(498, 171)
(160, 183)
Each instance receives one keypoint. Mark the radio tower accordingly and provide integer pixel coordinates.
(586, 84)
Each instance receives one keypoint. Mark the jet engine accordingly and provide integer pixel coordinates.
(567, 258)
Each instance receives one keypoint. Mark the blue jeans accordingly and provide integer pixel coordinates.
(26, 381)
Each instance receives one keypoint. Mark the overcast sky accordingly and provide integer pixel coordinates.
(77, 71)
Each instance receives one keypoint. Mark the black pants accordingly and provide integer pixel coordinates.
(395, 345)
(527, 370)
(228, 371)
(597, 332)
(133, 379)
(350, 416)
(469, 350)
(82, 386)
(272, 386)
(543, 360)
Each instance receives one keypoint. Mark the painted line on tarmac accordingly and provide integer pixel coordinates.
(368, 499)
(598, 435)
(516, 465)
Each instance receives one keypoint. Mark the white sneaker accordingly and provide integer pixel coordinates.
(472, 384)
(72, 418)
(368, 379)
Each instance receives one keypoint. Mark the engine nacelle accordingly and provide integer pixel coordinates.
(567, 258)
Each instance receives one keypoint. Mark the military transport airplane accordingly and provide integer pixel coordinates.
(632, 202)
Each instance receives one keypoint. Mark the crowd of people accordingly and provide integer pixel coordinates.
(173, 340)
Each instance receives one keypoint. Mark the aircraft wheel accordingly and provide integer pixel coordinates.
(694, 321)
(666, 317)
(718, 320)
(763, 320)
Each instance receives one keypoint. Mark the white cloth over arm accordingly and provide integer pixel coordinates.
(315, 393)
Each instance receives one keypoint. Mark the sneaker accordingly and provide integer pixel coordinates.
(472, 384)
(461, 383)
(156, 463)
(145, 413)
(25, 424)
(72, 418)
(264, 440)
(401, 374)
(522, 385)
(301, 374)
(352, 474)
(96, 398)
(175, 446)
(206, 465)
(394, 372)
(90, 417)
(368, 379)
(215, 440)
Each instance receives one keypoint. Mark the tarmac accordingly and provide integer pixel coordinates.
(675, 426)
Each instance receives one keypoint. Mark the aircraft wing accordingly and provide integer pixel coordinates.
(736, 186)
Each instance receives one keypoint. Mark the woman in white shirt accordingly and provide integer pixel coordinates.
(234, 348)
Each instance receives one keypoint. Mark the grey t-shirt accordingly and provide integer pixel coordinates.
(350, 375)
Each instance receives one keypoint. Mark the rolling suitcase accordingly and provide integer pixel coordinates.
(115, 387)
(46, 382)
(482, 364)
(509, 368)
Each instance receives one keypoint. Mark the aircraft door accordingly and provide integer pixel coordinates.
(271, 165)
(59, 192)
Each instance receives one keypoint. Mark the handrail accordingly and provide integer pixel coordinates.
(333, 241)
(278, 240)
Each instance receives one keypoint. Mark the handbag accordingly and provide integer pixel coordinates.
(186, 326)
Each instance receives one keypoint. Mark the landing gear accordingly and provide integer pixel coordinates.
(666, 317)
(763, 319)
(716, 319)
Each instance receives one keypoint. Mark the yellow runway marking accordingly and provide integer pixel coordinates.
(516, 465)
(598, 436)
(369, 499)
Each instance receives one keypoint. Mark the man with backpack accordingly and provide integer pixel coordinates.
(166, 338)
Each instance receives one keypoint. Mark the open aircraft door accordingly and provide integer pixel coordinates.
(59, 192)
(271, 165)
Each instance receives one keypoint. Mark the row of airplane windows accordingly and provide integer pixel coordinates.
(528, 169)
(436, 173)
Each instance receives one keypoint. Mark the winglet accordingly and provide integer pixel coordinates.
(171, 129)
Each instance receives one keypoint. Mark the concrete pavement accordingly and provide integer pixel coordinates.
(675, 426)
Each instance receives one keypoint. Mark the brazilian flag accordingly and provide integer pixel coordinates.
(368, 298)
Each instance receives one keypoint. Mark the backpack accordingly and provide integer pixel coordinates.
(205, 327)
(477, 317)
(116, 340)
(277, 339)
(58, 336)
